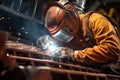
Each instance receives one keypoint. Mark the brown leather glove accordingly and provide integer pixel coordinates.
(64, 54)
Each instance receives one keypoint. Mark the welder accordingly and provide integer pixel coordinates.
(89, 43)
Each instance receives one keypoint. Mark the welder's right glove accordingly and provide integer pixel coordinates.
(64, 54)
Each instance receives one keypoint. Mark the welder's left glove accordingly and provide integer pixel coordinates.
(64, 54)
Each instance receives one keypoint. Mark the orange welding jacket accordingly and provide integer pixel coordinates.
(107, 48)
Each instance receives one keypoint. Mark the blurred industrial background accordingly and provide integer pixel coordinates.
(24, 18)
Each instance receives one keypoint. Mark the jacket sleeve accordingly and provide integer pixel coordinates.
(108, 44)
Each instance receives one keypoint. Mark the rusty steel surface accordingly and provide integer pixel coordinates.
(42, 63)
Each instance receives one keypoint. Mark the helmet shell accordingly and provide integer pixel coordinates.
(62, 18)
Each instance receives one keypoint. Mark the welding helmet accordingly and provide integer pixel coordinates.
(62, 21)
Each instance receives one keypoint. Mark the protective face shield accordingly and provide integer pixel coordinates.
(62, 21)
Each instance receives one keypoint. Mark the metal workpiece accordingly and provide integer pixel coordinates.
(38, 63)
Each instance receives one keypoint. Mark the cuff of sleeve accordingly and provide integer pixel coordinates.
(79, 56)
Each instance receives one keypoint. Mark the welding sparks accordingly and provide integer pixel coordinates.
(47, 43)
